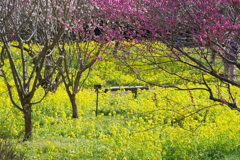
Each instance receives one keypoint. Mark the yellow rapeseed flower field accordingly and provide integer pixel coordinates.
(161, 123)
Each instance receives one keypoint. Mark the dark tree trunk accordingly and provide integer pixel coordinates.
(28, 121)
(74, 106)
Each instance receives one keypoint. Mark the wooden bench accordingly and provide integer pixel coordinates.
(133, 89)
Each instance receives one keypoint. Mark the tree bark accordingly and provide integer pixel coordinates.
(28, 121)
(74, 106)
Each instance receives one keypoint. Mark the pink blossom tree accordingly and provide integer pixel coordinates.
(200, 37)
(45, 42)
(80, 48)
(31, 33)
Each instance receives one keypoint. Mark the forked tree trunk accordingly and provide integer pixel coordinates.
(74, 106)
(28, 121)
